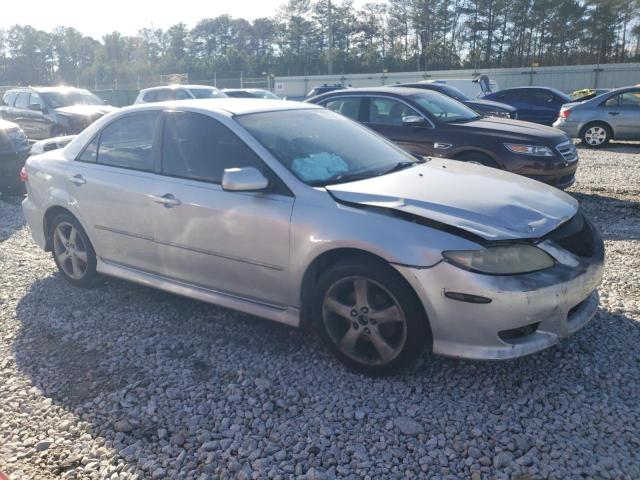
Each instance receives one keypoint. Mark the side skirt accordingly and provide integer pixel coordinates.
(282, 314)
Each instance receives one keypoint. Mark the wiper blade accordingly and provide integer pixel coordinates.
(340, 178)
(401, 166)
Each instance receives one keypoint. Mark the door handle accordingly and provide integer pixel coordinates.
(168, 200)
(77, 179)
(614, 113)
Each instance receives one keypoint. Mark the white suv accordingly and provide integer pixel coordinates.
(178, 92)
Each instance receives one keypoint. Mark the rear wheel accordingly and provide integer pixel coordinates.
(72, 251)
(370, 318)
(595, 135)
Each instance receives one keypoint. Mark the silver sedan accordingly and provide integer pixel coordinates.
(612, 115)
(297, 214)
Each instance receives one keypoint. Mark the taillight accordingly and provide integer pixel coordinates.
(565, 113)
(24, 176)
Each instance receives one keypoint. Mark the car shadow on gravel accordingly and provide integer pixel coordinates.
(616, 218)
(157, 374)
(9, 222)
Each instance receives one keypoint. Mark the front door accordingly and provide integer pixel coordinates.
(231, 242)
(385, 115)
(623, 112)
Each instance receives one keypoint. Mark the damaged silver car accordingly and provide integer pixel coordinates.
(300, 215)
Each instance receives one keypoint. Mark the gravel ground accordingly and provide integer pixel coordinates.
(128, 382)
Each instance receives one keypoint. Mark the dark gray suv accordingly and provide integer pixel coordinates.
(45, 112)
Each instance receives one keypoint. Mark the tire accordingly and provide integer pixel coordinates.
(596, 135)
(478, 158)
(356, 331)
(73, 253)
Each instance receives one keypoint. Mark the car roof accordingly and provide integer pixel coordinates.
(60, 88)
(245, 90)
(233, 106)
(176, 87)
(389, 90)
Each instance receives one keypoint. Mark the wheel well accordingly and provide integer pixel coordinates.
(321, 264)
(49, 215)
(597, 122)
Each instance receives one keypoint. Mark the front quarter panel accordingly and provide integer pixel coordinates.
(321, 224)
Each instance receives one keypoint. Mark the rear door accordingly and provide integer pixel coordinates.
(231, 242)
(545, 106)
(111, 182)
(385, 115)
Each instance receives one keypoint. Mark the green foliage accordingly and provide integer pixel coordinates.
(397, 35)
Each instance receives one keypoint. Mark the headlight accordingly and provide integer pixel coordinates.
(535, 150)
(502, 260)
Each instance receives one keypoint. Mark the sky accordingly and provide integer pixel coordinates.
(95, 18)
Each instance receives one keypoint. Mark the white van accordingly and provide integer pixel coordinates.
(473, 88)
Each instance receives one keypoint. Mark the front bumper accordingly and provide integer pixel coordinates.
(527, 313)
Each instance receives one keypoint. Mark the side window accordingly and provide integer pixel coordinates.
(542, 97)
(347, 106)
(198, 147)
(150, 96)
(22, 100)
(128, 142)
(182, 95)
(630, 99)
(9, 98)
(386, 111)
(90, 153)
(35, 101)
(612, 102)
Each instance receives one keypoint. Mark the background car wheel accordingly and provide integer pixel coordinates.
(370, 318)
(72, 251)
(477, 158)
(596, 135)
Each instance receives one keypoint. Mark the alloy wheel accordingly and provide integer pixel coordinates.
(595, 136)
(364, 320)
(70, 250)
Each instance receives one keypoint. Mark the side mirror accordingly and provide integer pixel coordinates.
(413, 121)
(245, 179)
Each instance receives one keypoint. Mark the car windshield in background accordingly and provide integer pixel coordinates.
(321, 147)
(206, 93)
(268, 95)
(444, 108)
(453, 92)
(67, 99)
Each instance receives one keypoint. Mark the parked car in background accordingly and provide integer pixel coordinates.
(14, 149)
(49, 144)
(44, 112)
(472, 87)
(612, 115)
(297, 214)
(534, 104)
(178, 92)
(484, 107)
(431, 124)
(250, 93)
(320, 89)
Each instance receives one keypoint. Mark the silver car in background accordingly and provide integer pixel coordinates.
(614, 115)
(297, 214)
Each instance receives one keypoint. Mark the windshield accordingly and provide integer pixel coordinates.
(321, 147)
(207, 93)
(453, 92)
(267, 94)
(67, 99)
(445, 109)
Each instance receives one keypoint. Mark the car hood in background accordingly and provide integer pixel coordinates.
(490, 105)
(517, 130)
(86, 110)
(486, 202)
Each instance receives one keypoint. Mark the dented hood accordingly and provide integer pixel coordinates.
(486, 202)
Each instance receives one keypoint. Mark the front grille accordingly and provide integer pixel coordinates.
(576, 236)
(568, 151)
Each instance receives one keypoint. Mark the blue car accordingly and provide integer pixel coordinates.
(534, 104)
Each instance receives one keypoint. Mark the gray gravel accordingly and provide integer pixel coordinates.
(126, 382)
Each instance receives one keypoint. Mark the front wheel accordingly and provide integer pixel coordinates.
(370, 318)
(72, 251)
